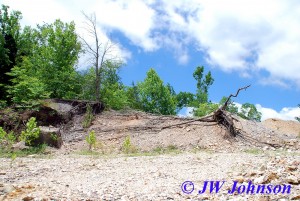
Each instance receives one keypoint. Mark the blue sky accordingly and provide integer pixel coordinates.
(253, 42)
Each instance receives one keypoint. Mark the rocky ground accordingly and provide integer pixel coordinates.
(167, 153)
(119, 177)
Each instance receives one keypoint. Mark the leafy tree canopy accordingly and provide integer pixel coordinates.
(9, 38)
(48, 67)
(155, 97)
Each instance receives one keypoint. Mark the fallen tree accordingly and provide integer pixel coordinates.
(224, 118)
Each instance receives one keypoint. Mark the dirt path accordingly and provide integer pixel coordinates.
(119, 177)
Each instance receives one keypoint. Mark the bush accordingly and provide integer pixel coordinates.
(127, 147)
(31, 133)
(3, 104)
(91, 139)
(6, 138)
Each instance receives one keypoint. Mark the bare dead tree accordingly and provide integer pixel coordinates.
(231, 95)
(99, 53)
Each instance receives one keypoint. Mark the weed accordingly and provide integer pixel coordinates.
(13, 158)
(127, 147)
(172, 148)
(167, 150)
(91, 139)
(158, 150)
(54, 137)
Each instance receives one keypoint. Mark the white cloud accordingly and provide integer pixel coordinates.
(286, 113)
(39, 12)
(132, 17)
(246, 36)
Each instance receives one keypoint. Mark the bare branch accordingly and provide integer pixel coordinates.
(231, 95)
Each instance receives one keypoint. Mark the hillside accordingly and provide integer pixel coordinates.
(166, 152)
(148, 131)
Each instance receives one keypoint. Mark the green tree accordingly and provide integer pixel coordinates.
(203, 84)
(155, 97)
(48, 69)
(205, 109)
(132, 93)
(27, 88)
(9, 38)
(87, 84)
(185, 99)
(58, 51)
(250, 112)
(112, 91)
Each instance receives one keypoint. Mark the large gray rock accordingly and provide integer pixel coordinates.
(49, 135)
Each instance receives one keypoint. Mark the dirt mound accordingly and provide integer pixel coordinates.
(288, 128)
(148, 132)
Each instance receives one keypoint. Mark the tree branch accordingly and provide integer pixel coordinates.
(231, 95)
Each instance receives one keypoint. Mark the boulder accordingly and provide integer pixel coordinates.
(50, 136)
(19, 146)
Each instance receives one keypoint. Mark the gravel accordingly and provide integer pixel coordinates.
(121, 177)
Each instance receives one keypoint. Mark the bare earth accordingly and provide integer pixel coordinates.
(203, 153)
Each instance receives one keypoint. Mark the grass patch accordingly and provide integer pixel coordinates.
(9, 153)
(254, 151)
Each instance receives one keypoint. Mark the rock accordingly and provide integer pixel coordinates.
(251, 174)
(19, 146)
(297, 197)
(292, 180)
(50, 136)
(27, 198)
(291, 168)
(7, 189)
(239, 179)
(270, 177)
(262, 168)
(265, 148)
(259, 180)
(296, 163)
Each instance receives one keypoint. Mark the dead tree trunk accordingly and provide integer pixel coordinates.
(221, 116)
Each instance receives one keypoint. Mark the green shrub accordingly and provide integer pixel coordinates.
(88, 117)
(2, 134)
(3, 104)
(91, 139)
(127, 147)
(7, 137)
(31, 133)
